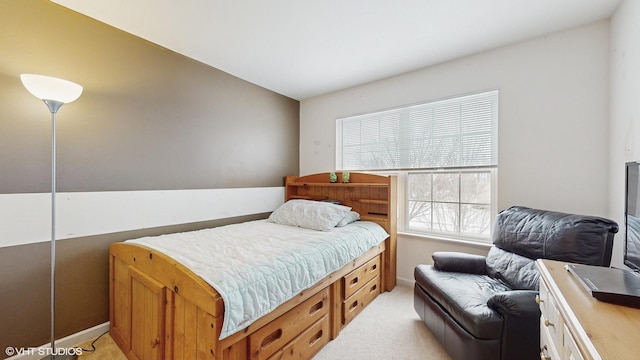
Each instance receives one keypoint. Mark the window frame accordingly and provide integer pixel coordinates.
(403, 204)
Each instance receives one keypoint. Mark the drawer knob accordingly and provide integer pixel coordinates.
(548, 323)
(539, 300)
(543, 353)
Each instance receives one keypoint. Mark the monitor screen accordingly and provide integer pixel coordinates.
(632, 217)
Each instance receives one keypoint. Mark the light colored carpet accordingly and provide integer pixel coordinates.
(387, 329)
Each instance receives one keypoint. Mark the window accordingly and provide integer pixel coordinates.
(450, 202)
(446, 154)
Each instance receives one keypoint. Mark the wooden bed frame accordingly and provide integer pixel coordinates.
(161, 310)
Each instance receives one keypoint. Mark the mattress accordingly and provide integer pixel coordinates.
(258, 265)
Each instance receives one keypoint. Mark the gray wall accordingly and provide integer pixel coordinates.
(149, 119)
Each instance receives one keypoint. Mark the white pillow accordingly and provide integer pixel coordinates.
(350, 217)
(314, 215)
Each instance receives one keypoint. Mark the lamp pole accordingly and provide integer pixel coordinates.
(53, 106)
(55, 93)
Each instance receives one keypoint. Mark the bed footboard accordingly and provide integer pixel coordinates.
(158, 308)
(161, 310)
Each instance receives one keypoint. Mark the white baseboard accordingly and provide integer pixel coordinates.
(405, 282)
(64, 343)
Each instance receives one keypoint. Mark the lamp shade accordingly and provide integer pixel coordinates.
(51, 88)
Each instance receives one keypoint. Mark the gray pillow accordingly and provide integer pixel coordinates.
(314, 215)
(350, 217)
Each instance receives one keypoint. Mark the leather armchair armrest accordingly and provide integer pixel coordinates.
(521, 327)
(459, 262)
(518, 303)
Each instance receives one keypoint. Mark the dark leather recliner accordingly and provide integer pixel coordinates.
(484, 307)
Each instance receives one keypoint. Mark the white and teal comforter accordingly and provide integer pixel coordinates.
(258, 265)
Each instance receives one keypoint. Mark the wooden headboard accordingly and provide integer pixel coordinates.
(372, 196)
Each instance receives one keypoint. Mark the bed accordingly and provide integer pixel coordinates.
(168, 307)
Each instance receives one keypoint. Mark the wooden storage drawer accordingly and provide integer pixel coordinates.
(276, 334)
(353, 305)
(307, 344)
(356, 279)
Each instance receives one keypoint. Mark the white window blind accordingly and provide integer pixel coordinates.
(457, 132)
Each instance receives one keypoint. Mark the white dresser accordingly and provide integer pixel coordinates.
(574, 325)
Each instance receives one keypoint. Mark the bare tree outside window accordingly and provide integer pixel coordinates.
(419, 212)
(450, 202)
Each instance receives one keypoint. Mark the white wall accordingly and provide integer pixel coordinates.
(553, 122)
(26, 218)
(625, 108)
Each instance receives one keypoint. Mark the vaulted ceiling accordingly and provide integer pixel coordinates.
(304, 48)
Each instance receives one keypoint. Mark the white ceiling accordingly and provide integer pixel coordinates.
(304, 48)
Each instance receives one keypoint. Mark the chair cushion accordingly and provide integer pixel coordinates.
(518, 272)
(464, 297)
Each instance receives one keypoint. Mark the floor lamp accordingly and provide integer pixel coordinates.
(55, 93)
